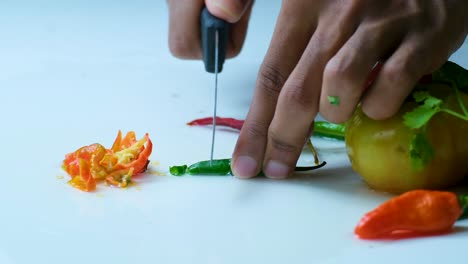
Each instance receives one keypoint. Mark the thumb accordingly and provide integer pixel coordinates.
(229, 10)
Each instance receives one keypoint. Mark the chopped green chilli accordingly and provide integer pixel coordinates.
(221, 167)
(334, 100)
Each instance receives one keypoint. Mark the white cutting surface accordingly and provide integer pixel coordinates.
(74, 72)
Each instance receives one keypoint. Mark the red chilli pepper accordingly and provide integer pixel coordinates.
(414, 213)
(221, 121)
(373, 75)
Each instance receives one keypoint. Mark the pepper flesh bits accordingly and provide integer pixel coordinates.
(116, 166)
(414, 213)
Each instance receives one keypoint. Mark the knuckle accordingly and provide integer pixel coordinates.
(375, 30)
(402, 71)
(323, 45)
(271, 80)
(297, 95)
(339, 69)
(393, 73)
(282, 145)
(256, 129)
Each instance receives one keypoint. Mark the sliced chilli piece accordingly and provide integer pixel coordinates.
(129, 140)
(121, 178)
(139, 160)
(129, 154)
(85, 173)
(109, 161)
(98, 171)
(126, 158)
(141, 164)
(123, 143)
(117, 142)
(71, 163)
(84, 181)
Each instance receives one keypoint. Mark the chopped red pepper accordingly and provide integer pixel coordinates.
(127, 158)
(83, 181)
(414, 213)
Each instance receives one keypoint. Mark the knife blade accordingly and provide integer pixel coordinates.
(214, 37)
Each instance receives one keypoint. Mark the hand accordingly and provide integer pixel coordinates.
(184, 25)
(326, 48)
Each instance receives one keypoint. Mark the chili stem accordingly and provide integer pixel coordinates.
(460, 101)
(314, 151)
(448, 111)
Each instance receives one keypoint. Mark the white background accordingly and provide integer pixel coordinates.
(73, 74)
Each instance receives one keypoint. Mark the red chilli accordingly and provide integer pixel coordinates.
(412, 214)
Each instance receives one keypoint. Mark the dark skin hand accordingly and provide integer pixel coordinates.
(184, 34)
(320, 49)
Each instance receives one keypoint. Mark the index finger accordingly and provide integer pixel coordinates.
(184, 29)
(289, 41)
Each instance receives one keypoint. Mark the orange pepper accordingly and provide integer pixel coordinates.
(414, 213)
(120, 178)
(126, 142)
(141, 162)
(84, 181)
(71, 162)
(126, 158)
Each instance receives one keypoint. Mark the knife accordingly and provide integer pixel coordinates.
(214, 39)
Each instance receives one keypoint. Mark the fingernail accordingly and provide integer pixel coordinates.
(227, 10)
(276, 170)
(245, 167)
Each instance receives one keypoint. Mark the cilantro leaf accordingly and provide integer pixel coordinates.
(421, 115)
(452, 72)
(421, 151)
(420, 96)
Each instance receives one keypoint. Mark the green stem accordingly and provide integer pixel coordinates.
(460, 101)
(448, 111)
(463, 199)
(313, 150)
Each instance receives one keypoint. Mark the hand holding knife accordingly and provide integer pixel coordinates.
(214, 39)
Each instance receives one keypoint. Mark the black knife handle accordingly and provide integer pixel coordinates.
(209, 25)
